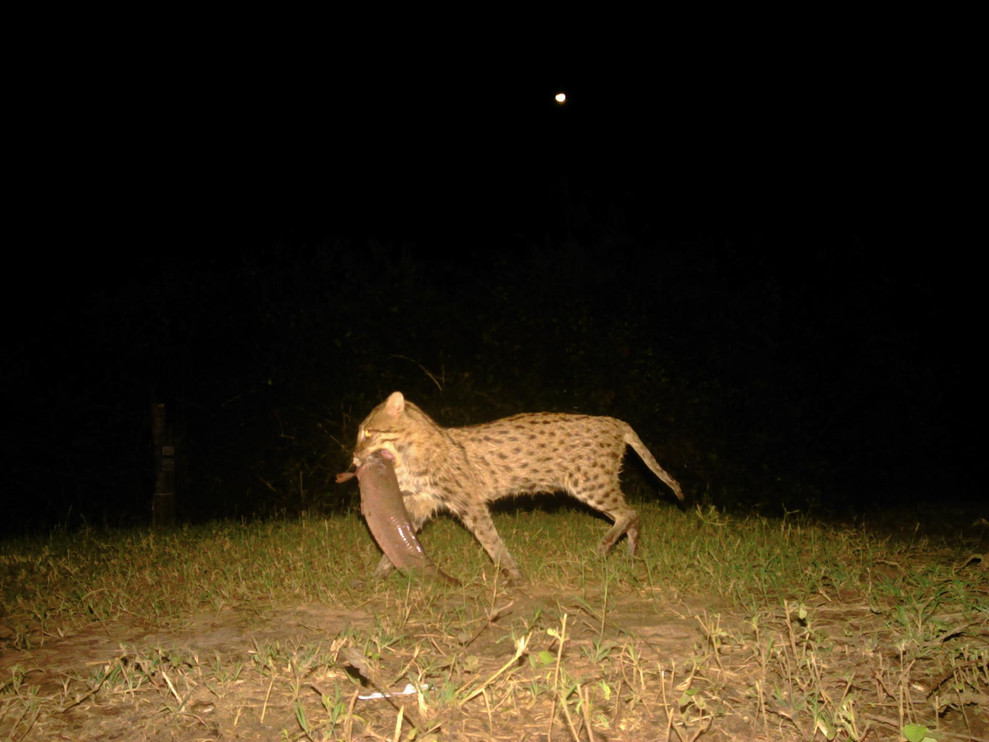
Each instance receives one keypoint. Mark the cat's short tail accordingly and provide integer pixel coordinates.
(645, 454)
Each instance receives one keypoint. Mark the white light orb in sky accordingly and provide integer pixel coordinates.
(560, 97)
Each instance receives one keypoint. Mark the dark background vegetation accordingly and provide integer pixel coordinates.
(743, 257)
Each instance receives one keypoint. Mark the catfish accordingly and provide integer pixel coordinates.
(384, 510)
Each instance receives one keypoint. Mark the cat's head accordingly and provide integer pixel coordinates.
(391, 426)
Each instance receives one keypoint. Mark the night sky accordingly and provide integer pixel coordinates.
(767, 225)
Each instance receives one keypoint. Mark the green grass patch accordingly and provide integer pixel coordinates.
(720, 628)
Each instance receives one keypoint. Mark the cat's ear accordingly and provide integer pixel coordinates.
(395, 404)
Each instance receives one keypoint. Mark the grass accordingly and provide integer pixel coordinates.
(721, 628)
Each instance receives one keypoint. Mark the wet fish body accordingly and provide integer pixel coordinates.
(384, 510)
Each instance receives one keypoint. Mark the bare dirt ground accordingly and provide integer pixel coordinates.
(645, 671)
(213, 708)
(243, 673)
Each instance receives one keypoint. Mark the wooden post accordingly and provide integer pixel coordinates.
(163, 505)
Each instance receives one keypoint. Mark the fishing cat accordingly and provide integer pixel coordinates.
(464, 469)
